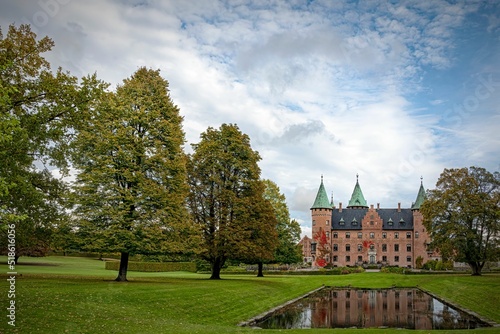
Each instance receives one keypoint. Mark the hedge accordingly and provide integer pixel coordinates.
(153, 266)
(334, 271)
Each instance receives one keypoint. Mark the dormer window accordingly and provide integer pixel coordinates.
(342, 222)
(401, 221)
(354, 221)
(389, 222)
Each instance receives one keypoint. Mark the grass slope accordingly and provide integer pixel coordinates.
(76, 295)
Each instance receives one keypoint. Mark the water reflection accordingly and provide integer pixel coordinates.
(393, 308)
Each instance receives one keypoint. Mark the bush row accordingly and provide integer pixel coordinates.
(334, 271)
(153, 266)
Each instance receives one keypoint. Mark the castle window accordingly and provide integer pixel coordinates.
(408, 247)
(341, 221)
(384, 247)
(408, 259)
(372, 235)
(389, 222)
(335, 258)
(348, 235)
(327, 222)
(384, 258)
(396, 258)
(360, 258)
(348, 248)
(384, 235)
(335, 247)
(416, 235)
(335, 235)
(371, 222)
(354, 222)
(401, 221)
(396, 247)
(347, 258)
(328, 234)
(396, 235)
(360, 247)
(314, 223)
(408, 235)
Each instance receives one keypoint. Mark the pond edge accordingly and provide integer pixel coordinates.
(461, 308)
(264, 315)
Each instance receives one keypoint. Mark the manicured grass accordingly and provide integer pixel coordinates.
(77, 295)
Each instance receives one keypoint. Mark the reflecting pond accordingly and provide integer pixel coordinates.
(409, 308)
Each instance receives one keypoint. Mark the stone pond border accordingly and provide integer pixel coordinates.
(262, 316)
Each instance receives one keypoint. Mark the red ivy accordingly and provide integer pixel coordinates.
(321, 262)
(367, 244)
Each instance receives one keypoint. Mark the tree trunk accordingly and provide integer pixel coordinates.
(260, 265)
(122, 273)
(216, 267)
(475, 268)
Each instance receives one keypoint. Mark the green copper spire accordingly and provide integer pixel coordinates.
(321, 201)
(420, 197)
(357, 198)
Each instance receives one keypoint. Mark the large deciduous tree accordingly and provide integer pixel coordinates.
(39, 109)
(463, 216)
(288, 251)
(131, 187)
(227, 199)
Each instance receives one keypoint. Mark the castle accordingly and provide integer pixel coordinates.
(362, 235)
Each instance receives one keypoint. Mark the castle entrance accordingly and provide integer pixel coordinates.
(372, 255)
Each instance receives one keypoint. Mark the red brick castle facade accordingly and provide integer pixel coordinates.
(362, 235)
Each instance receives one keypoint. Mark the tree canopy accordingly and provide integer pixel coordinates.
(288, 230)
(131, 186)
(463, 216)
(38, 110)
(227, 199)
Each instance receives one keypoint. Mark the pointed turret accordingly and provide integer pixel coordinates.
(357, 199)
(321, 201)
(420, 197)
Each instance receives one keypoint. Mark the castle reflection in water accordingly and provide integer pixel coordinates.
(393, 308)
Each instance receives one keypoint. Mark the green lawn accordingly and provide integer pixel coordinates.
(76, 295)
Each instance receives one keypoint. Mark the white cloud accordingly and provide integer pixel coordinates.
(330, 88)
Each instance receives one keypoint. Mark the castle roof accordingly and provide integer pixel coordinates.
(420, 197)
(392, 219)
(321, 201)
(357, 198)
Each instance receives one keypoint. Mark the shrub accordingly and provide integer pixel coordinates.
(419, 262)
(153, 266)
(393, 269)
(438, 265)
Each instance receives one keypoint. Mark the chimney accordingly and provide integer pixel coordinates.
(378, 206)
(340, 207)
(371, 206)
(399, 207)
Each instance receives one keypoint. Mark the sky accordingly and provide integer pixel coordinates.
(392, 91)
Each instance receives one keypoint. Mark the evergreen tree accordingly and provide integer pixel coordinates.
(131, 187)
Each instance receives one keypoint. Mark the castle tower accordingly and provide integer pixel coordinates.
(357, 200)
(321, 213)
(421, 238)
